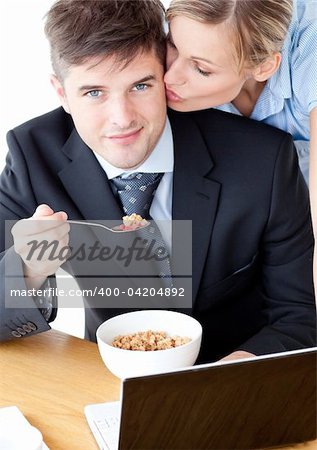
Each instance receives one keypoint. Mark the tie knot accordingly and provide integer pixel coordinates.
(136, 192)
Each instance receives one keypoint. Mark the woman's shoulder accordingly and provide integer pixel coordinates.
(305, 9)
(300, 54)
(303, 27)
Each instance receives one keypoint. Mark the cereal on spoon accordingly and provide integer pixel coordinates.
(132, 222)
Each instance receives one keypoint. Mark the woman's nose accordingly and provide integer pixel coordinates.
(175, 74)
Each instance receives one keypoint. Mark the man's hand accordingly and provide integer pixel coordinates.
(39, 240)
(240, 354)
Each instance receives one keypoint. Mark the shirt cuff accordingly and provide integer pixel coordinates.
(45, 302)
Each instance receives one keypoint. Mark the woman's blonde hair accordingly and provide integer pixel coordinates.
(258, 27)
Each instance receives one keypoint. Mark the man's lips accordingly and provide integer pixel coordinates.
(172, 96)
(125, 138)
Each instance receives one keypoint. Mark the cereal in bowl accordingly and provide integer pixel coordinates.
(149, 341)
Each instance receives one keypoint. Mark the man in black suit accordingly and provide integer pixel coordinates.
(237, 181)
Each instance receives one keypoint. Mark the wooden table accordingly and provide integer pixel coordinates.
(51, 377)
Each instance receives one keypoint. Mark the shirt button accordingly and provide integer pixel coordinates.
(32, 326)
(16, 334)
(26, 328)
(21, 331)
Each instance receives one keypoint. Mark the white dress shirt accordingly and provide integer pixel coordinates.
(161, 160)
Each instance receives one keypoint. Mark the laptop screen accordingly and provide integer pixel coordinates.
(254, 403)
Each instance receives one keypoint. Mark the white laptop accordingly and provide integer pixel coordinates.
(245, 404)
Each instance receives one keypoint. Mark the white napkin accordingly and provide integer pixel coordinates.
(17, 433)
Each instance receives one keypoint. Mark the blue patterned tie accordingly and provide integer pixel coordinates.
(136, 193)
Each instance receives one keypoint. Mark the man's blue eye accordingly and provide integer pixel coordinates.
(140, 87)
(93, 93)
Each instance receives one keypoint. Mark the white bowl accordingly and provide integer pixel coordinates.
(128, 363)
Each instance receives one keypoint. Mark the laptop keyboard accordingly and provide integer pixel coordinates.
(104, 423)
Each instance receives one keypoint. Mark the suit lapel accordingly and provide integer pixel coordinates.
(86, 182)
(88, 186)
(195, 195)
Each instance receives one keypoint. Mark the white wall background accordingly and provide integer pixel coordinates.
(25, 88)
(25, 64)
(26, 91)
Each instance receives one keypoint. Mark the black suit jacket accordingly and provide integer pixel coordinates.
(239, 183)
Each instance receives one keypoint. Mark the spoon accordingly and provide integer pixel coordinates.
(113, 230)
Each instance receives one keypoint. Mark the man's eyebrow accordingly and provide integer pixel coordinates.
(95, 87)
(145, 79)
(90, 87)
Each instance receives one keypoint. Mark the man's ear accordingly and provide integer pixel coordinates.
(59, 89)
(265, 70)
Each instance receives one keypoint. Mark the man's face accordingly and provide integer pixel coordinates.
(119, 113)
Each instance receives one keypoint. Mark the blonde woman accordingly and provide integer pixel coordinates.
(254, 58)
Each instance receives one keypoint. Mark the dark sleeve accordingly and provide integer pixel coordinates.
(287, 249)
(19, 315)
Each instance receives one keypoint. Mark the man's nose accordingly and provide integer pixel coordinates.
(121, 113)
(175, 75)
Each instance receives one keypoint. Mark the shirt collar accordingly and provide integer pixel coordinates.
(278, 88)
(280, 84)
(161, 160)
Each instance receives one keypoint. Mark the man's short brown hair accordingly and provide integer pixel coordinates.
(81, 29)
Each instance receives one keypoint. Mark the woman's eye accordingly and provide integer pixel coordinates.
(93, 94)
(202, 72)
(140, 87)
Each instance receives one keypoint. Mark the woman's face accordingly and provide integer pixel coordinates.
(202, 71)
